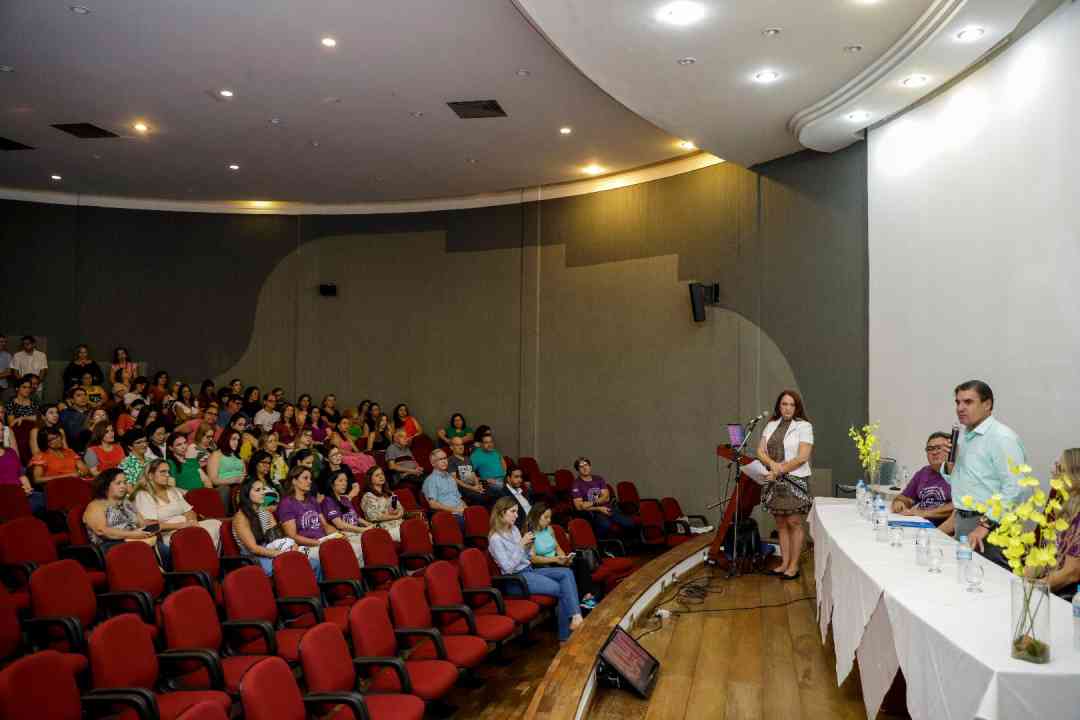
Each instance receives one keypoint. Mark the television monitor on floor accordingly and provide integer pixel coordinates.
(633, 664)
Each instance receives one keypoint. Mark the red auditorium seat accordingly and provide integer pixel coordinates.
(231, 557)
(381, 563)
(64, 493)
(422, 447)
(329, 669)
(673, 513)
(417, 552)
(13, 503)
(190, 622)
(204, 711)
(80, 548)
(344, 583)
(122, 657)
(454, 616)
(412, 618)
(485, 599)
(269, 692)
(409, 503)
(42, 686)
(530, 467)
(133, 568)
(477, 526)
(653, 528)
(629, 499)
(194, 556)
(564, 484)
(26, 546)
(11, 636)
(375, 647)
(299, 596)
(447, 538)
(207, 503)
(612, 570)
(248, 596)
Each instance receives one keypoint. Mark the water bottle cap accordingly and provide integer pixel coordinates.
(963, 538)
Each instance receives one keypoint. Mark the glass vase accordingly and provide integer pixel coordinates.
(1030, 630)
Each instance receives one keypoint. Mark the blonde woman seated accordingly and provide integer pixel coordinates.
(158, 501)
(380, 506)
(111, 518)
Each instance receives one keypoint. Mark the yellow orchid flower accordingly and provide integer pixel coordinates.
(1028, 482)
(1028, 538)
(967, 501)
(980, 508)
(1060, 525)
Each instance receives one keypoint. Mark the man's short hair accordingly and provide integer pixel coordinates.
(31, 338)
(938, 434)
(577, 463)
(982, 389)
(431, 456)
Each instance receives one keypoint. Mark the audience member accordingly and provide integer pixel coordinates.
(328, 409)
(474, 491)
(95, 394)
(593, 498)
(74, 417)
(157, 436)
(186, 406)
(510, 550)
(122, 370)
(267, 416)
(928, 494)
(135, 445)
(305, 443)
(380, 506)
(57, 460)
(137, 390)
(235, 386)
(103, 452)
(7, 374)
(286, 427)
(546, 552)
(489, 463)
(207, 394)
(183, 466)
(339, 438)
(516, 490)
(404, 421)
(403, 465)
(303, 403)
(159, 390)
(48, 420)
(259, 534)
(31, 361)
(11, 473)
(299, 513)
(381, 436)
(111, 518)
(225, 468)
(1066, 573)
(279, 466)
(82, 365)
(22, 408)
(441, 488)
(157, 501)
(260, 468)
(125, 421)
(457, 428)
(335, 463)
(232, 407)
(337, 508)
(7, 437)
(318, 427)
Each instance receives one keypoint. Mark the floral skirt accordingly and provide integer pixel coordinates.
(788, 495)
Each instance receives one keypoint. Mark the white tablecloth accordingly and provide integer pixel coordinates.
(952, 645)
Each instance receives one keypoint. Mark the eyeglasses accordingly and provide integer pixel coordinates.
(936, 448)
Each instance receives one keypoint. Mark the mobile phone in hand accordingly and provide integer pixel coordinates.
(152, 528)
(393, 502)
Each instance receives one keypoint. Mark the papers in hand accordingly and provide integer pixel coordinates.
(756, 471)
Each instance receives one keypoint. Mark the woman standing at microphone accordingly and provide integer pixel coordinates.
(785, 447)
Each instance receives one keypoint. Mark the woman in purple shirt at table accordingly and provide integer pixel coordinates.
(299, 512)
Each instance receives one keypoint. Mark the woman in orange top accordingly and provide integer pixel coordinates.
(104, 452)
(57, 460)
(404, 421)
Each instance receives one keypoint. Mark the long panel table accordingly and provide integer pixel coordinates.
(953, 646)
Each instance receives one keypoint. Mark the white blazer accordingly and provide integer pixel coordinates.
(799, 431)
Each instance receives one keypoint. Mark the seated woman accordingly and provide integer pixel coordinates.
(95, 393)
(11, 473)
(509, 549)
(49, 419)
(279, 466)
(207, 394)
(103, 452)
(7, 436)
(359, 462)
(382, 434)
(122, 369)
(157, 440)
(225, 468)
(258, 532)
(402, 420)
(201, 445)
(111, 518)
(138, 391)
(1065, 576)
(22, 409)
(158, 501)
(57, 460)
(286, 428)
(138, 456)
(82, 365)
(380, 506)
(338, 510)
(184, 467)
(316, 424)
(356, 425)
(299, 513)
(328, 409)
(547, 553)
(306, 448)
(260, 468)
(458, 427)
(335, 463)
(303, 403)
(185, 408)
(159, 388)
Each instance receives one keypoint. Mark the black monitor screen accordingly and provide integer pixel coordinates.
(631, 661)
(736, 434)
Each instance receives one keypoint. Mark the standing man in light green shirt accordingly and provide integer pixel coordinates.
(986, 447)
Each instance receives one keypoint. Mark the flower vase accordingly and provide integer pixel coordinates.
(1030, 630)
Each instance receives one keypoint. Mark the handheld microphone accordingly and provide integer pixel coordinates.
(955, 440)
(754, 421)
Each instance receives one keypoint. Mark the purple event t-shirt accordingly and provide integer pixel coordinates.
(306, 515)
(10, 468)
(928, 489)
(332, 509)
(589, 490)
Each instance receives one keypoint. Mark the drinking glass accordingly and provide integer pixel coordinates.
(937, 559)
(922, 537)
(922, 547)
(896, 536)
(973, 574)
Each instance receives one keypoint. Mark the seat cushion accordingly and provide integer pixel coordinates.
(288, 645)
(394, 707)
(465, 651)
(544, 601)
(431, 679)
(21, 598)
(493, 628)
(60, 538)
(99, 580)
(172, 705)
(75, 662)
(233, 668)
(339, 615)
(521, 611)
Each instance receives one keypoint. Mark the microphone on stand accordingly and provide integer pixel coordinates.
(756, 420)
(955, 440)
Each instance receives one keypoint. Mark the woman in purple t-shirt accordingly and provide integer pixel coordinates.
(339, 512)
(299, 512)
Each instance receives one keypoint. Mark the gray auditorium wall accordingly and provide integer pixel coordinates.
(564, 324)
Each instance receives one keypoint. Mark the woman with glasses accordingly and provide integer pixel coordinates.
(928, 494)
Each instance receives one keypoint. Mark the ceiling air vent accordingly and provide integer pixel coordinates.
(86, 131)
(6, 144)
(470, 109)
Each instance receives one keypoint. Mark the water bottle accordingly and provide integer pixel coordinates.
(860, 495)
(963, 557)
(881, 520)
(1076, 619)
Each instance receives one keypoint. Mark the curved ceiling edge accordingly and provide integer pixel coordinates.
(268, 207)
(930, 48)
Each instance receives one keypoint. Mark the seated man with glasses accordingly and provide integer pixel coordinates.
(928, 494)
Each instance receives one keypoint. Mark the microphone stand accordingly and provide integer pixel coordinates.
(736, 468)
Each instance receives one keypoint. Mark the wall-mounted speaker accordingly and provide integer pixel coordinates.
(702, 294)
(328, 290)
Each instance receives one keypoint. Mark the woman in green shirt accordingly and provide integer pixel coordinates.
(184, 466)
(458, 427)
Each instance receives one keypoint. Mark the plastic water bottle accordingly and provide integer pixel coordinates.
(860, 495)
(881, 520)
(1076, 619)
(963, 557)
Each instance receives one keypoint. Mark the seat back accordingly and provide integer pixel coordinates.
(408, 501)
(22, 441)
(268, 691)
(339, 562)
(76, 527)
(378, 548)
(41, 686)
(294, 577)
(13, 503)
(652, 521)
(229, 546)
(193, 549)
(324, 656)
(422, 447)
(203, 711)
(134, 566)
(408, 603)
(446, 531)
(628, 496)
(671, 509)
(562, 538)
(542, 489)
(581, 534)
(207, 503)
(122, 654)
(248, 596)
(529, 467)
(64, 493)
(475, 573)
(477, 525)
(63, 588)
(415, 539)
(26, 539)
(443, 587)
(371, 630)
(191, 620)
(10, 631)
(564, 483)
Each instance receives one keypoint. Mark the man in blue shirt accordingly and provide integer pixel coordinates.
(986, 447)
(440, 488)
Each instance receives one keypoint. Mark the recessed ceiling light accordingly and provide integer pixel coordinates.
(566, 130)
(417, 114)
(7, 68)
(852, 49)
(970, 34)
(261, 203)
(56, 178)
(687, 145)
(771, 31)
(592, 169)
(96, 156)
(681, 12)
(858, 116)
(140, 127)
(234, 166)
(314, 143)
(471, 161)
(275, 121)
(79, 9)
(914, 81)
(766, 76)
(225, 93)
(687, 60)
(523, 73)
(329, 42)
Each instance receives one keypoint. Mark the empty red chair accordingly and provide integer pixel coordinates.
(80, 548)
(231, 557)
(26, 545)
(447, 538)
(11, 636)
(417, 551)
(673, 513)
(412, 619)
(510, 464)
(628, 497)
(299, 596)
(485, 599)
(133, 568)
(204, 711)
(477, 526)
(530, 467)
(375, 648)
(381, 563)
(64, 493)
(562, 538)
(122, 657)
(653, 529)
(207, 503)
(13, 503)
(195, 561)
(612, 570)
(564, 484)
(421, 447)
(248, 596)
(269, 692)
(344, 583)
(190, 620)
(454, 616)
(328, 668)
(22, 441)
(409, 503)
(43, 686)
(542, 489)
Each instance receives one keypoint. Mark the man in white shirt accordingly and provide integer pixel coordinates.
(31, 361)
(7, 375)
(266, 418)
